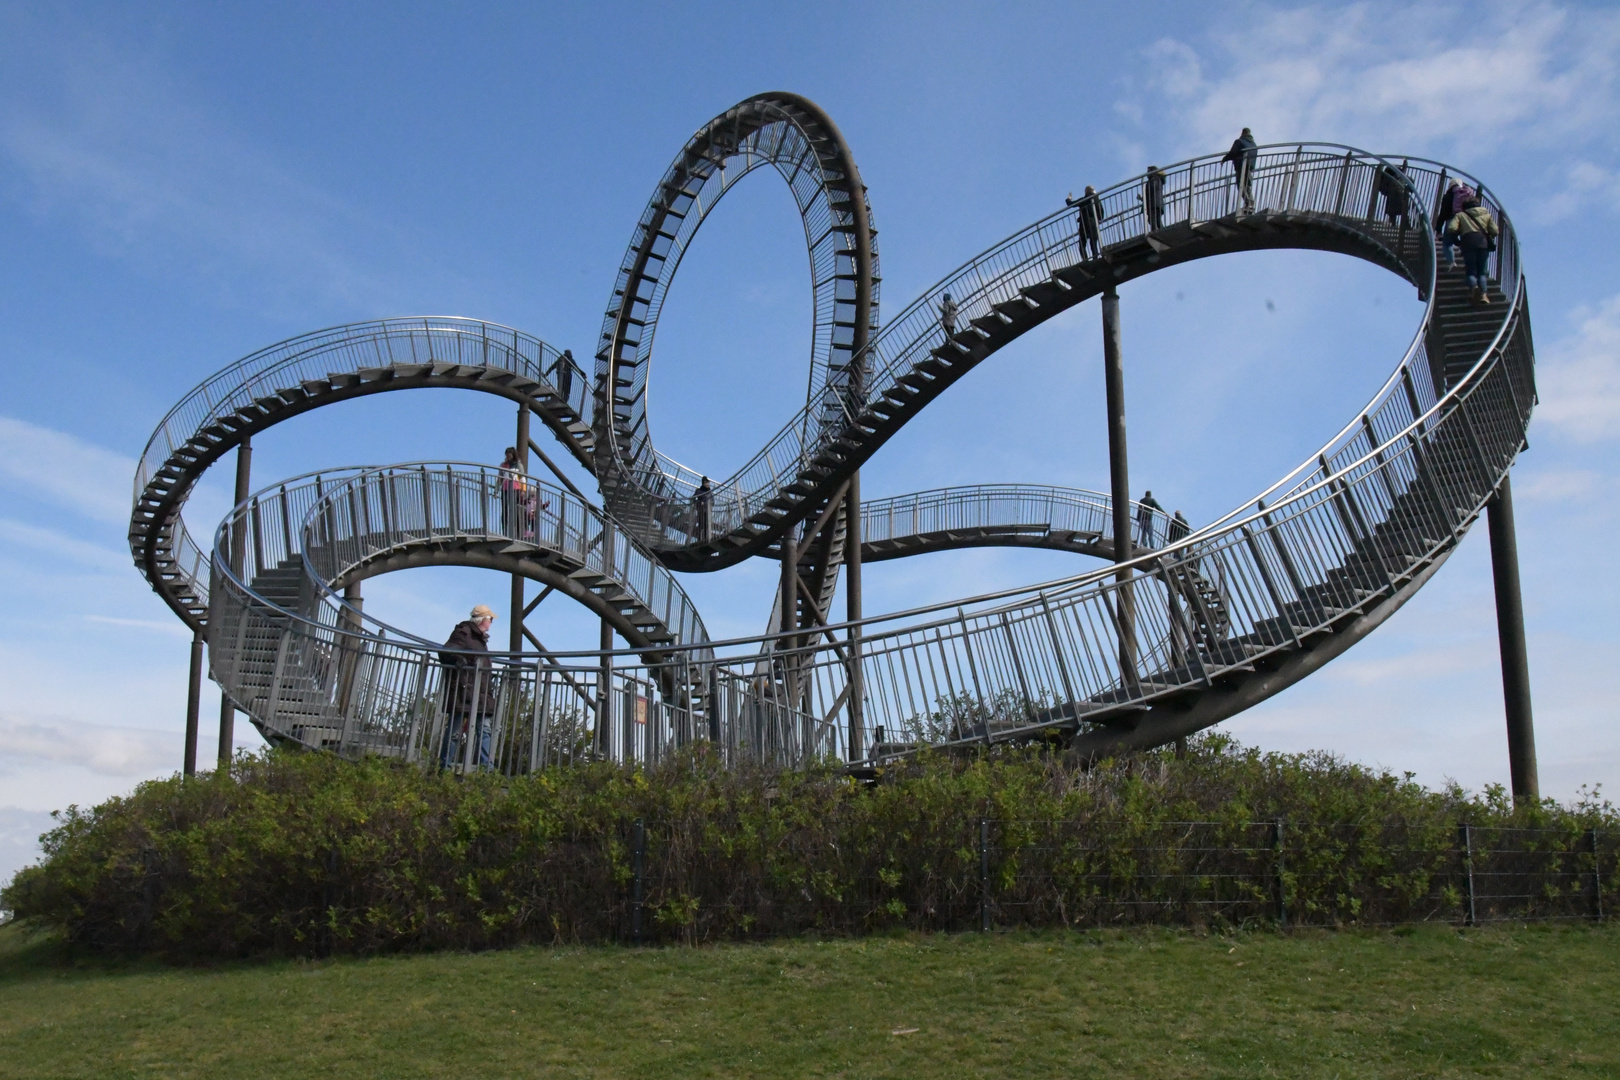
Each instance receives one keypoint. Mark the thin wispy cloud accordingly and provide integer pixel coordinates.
(168, 629)
(110, 751)
(1579, 377)
(65, 470)
(98, 132)
(1405, 77)
(58, 545)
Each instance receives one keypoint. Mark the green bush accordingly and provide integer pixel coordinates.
(305, 854)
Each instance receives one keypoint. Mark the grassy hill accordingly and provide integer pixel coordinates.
(1426, 1002)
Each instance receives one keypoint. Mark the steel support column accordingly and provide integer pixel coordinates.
(790, 605)
(852, 613)
(244, 488)
(515, 637)
(604, 693)
(1510, 637)
(193, 703)
(1119, 478)
(349, 655)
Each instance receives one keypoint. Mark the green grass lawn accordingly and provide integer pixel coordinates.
(1541, 1002)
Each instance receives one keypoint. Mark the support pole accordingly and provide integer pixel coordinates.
(515, 639)
(1510, 636)
(349, 654)
(852, 613)
(604, 693)
(1119, 479)
(193, 703)
(790, 614)
(604, 675)
(244, 487)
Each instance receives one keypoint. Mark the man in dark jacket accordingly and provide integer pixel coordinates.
(1243, 156)
(1090, 223)
(1145, 509)
(1153, 197)
(469, 692)
(703, 507)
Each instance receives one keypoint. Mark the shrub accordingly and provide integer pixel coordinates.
(304, 854)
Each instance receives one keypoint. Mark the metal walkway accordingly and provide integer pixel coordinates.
(1130, 655)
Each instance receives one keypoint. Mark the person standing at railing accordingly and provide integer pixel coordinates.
(1090, 221)
(947, 317)
(469, 692)
(1146, 507)
(1177, 529)
(1244, 155)
(1392, 185)
(1476, 233)
(1451, 204)
(702, 508)
(513, 486)
(1153, 197)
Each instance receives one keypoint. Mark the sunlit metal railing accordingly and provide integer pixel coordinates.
(1308, 566)
(317, 358)
(1332, 181)
(1038, 513)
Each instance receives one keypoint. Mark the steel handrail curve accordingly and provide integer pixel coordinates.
(261, 523)
(280, 367)
(877, 515)
(1335, 552)
(771, 470)
(1204, 534)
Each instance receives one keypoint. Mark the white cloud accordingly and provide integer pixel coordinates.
(65, 470)
(110, 751)
(1418, 77)
(172, 628)
(61, 546)
(19, 838)
(1578, 377)
(1558, 486)
(95, 128)
(1583, 184)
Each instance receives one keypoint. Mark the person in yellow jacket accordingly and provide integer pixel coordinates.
(1475, 232)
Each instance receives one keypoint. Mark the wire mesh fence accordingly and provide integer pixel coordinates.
(1005, 874)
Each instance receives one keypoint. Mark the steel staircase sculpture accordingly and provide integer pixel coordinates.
(1131, 655)
(312, 370)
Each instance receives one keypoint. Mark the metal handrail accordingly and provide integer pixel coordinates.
(1325, 553)
(343, 351)
(996, 275)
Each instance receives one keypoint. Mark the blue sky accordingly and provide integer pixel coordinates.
(181, 185)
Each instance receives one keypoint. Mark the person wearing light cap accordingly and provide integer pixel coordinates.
(469, 692)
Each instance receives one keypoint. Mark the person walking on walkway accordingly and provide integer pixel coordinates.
(1177, 529)
(702, 508)
(947, 317)
(1146, 507)
(1244, 155)
(1090, 223)
(1153, 197)
(469, 693)
(1451, 204)
(1476, 233)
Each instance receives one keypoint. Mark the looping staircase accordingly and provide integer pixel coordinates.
(1179, 637)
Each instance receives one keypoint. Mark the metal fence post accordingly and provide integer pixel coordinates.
(984, 875)
(638, 868)
(1282, 885)
(1597, 877)
(1467, 832)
